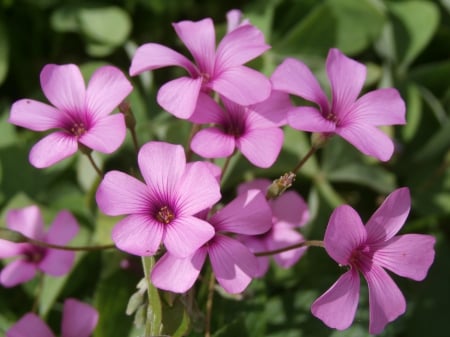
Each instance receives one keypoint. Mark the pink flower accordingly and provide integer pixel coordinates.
(368, 249)
(80, 115)
(235, 20)
(289, 212)
(254, 130)
(162, 209)
(220, 70)
(31, 258)
(232, 262)
(354, 119)
(78, 320)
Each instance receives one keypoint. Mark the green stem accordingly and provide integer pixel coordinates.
(75, 248)
(209, 304)
(305, 158)
(153, 324)
(94, 165)
(310, 243)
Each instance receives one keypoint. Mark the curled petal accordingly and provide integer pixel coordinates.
(52, 149)
(36, 116)
(79, 319)
(30, 325)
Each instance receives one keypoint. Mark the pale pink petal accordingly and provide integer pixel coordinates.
(120, 193)
(185, 235)
(409, 255)
(17, 272)
(233, 264)
(179, 96)
(138, 234)
(178, 274)
(283, 236)
(235, 20)
(248, 214)
(294, 77)
(57, 262)
(10, 249)
(368, 139)
(36, 116)
(242, 85)
(275, 108)
(63, 229)
(151, 56)
(107, 88)
(257, 184)
(63, 85)
(200, 38)
(345, 232)
(52, 149)
(213, 143)
(291, 209)
(309, 119)
(379, 107)
(106, 135)
(261, 146)
(27, 220)
(386, 301)
(207, 111)
(337, 306)
(30, 325)
(79, 319)
(389, 217)
(239, 46)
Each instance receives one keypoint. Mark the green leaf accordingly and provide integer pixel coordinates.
(4, 52)
(176, 320)
(65, 19)
(437, 145)
(414, 114)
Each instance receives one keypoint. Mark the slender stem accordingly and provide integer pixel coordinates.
(311, 151)
(209, 304)
(40, 285)
(96, 168)
(74, 248)
(195, 128)
(226, 165)
(135, 140)
(153, 324)
(315, 243)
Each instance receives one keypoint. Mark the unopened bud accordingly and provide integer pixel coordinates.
(319, 139)
(280, 185)
(125, 108)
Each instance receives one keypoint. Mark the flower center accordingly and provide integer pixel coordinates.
(34, 254)
(78, 129)
(332, 117)
(361, 258)
(165, 215)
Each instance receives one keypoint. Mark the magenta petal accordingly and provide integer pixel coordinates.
(120, 193)
(79, 319)
(283, 236)
(64, 86)
(247, 214)
(185, 235)
(30, 325)
(10, 249)
(35, 115)
(207, 111)
(151, 56)
(409, 255)
(291, 209)
(106, 135)
(27, 220)
(261, 146)
(345, 232)
(17, 272)
(138, 234)
(256, 184)
(57, 262)
(52, 149)
(309, 119)
(337, 306)
(386, 301)
(256, 244)
(389, 217)
(178, 274)
(275, 108)
(63, 229)
(179, 96)
(242, 85)
(213, 143)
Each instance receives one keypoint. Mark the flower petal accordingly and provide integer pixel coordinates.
(36, 116)
(63, 229)
(256, 245)
(30, 325)
(337, 306)
(138, 234)
(120, 193)
(63, 85)
(409, 255)
(57, 262)
(10, 249)
(179, 96)
(283, 236)
(386, 301)
(275, 108)
(309, 119)
(79, 319)
(213, 143)
(178, 274)
(255, 184)
(27, 220)
(345, 232)
(17, 272)
(291, 209)
(207, 111)
(52, 149)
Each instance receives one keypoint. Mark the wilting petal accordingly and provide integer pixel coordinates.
(283, 236)
(179, 96)
(178, 274)
(389, 217)
(309, 119)
(30, 325)
(337, 307)
(36, 116)
(213, 143)
(291, 209)
(63, 229)
(138, 234)
(57, 262)
(409, 255)
(120, 193)
(386, 301)
(261, 146)
(27, 220)
(345, 232)
(17, 272)
(52, 149)
(64, 87)
(79, 319)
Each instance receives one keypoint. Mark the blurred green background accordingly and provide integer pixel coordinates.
(405, 44)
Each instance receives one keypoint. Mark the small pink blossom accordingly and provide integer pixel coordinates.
(78, 320)
(354, 119)
(369, 249)
(162, 208)
(220, 70)
(31, 258)
(79, 115)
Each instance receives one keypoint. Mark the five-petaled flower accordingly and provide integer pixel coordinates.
(80, 115)
(369, 249)
(354, 119)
